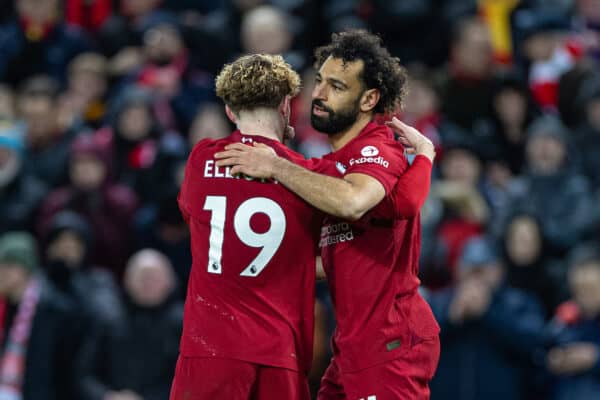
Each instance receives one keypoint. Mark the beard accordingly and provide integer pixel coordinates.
(336, 121)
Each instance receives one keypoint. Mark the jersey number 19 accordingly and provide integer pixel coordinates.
(268, 241)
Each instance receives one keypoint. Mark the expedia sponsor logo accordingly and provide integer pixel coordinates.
(336, 233)
(370, 160)
(340, 167)
(369, 151)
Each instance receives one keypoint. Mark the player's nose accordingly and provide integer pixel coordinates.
(319, 92)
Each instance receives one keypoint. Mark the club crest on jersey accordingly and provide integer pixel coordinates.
(369, 151)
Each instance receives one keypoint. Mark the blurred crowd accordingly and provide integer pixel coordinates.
(101, 102)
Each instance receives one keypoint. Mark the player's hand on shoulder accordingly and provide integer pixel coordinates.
(413, 140)
(258, 161)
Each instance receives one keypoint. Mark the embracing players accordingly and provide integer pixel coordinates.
(386, 343)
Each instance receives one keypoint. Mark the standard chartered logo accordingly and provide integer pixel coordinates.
(336, 233)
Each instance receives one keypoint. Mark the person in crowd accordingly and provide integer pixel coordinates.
(38, 42)
(466, 92)
(574, 354)
(569, 214)
(483, 356)
(529, 265)
(48, 137)
(92, 193)
(134, 357)
(85, 96)
(20, 193)
(67, 246)
(587, 134)
(40, 330)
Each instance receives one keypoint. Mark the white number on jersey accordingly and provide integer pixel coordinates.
(268, 241)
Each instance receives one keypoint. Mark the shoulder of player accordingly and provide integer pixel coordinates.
(375, 145)
(283, 151)
(205, 148)
(319, 165)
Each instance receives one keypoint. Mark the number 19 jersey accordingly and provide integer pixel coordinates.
(251, 289)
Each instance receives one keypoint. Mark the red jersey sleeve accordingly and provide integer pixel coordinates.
(412, 189)
(381, 160)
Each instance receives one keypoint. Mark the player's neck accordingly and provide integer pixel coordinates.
(265, 125)
(339, 140)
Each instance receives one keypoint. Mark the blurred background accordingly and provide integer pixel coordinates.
(102, 100)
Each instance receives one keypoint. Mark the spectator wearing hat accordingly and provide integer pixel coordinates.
(574, 355)
(20, 192)
(552, 188)
(38, 327)
(135, 133)
(484, 356)
(67, 247)
(93, 194)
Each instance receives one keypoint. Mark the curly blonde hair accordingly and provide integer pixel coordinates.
(257, 80)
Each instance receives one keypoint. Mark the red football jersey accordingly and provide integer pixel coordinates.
(372, 264)
(251, 289)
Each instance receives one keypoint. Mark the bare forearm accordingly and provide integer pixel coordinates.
(331, 195)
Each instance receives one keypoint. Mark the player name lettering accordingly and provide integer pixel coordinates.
(213, 171)
(370, 160)
(336, 233)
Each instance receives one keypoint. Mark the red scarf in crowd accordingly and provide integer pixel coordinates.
(12, 358)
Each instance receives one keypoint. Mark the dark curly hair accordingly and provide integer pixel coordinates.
(381, 71)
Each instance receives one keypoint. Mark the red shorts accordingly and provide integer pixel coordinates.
(406, 377)
(199, 378)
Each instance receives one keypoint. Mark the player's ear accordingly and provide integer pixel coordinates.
(230, 114)
(369, 100)
(284, 107)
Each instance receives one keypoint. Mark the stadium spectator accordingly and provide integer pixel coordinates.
(20, 193)
(47, 136)
(67, 246)
(91, 192)
(574, 357)
(39, 328)
(483, 356)
(134, 357)
(38, 42)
